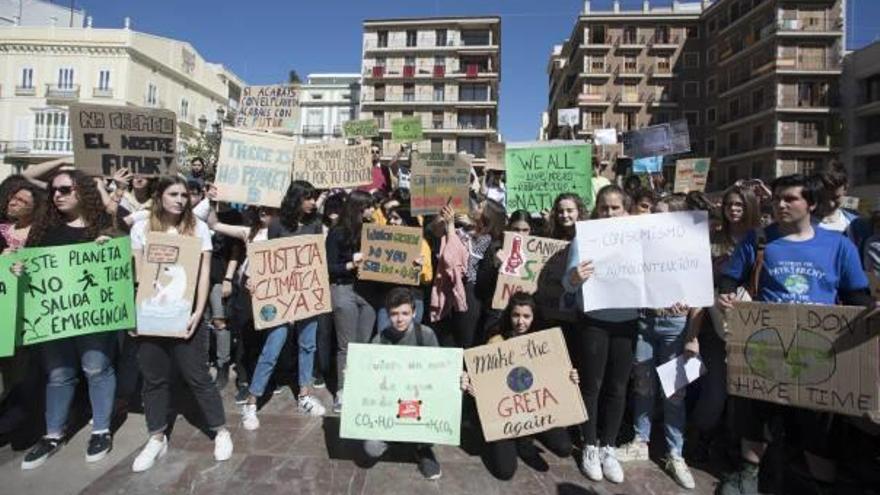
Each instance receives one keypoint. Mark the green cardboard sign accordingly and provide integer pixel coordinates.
(402, 394)
(76, 289)
(539, 171)
(8, 306)
(406, 129)
(365, 128)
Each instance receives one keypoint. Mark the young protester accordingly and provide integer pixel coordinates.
(520, 222)
(644, 200)
(19, 207)
(139, 198)
(793, 262)
(607, 338)
(298, 216)
(353, 316)
(158, 357)
(830, 213)
(518, 319)
(196, 169)
(74, 215)
(404, 330)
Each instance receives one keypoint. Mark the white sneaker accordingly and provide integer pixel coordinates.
(591, 465)
(636, 450)
(151, 452)
(610, 466)
(337, 402)
(311, 406)
(249, 418)
(223, 445)
(680, 472)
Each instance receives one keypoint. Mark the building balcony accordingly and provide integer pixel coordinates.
(663, 42)
(807, 64)
(797, 140)
(631, 42)
(450, 46)
(793, 102)
(809, 27)
(25, 91)
(426, 102)
(596, 72)
(313, 130)
(37, 147)
(102, 92)
(437, 73)
(630, 72)
(455, 129)
(585, 99)
(868, 108)
(598, 43)
(658, 72)
(62, 93)
(629, 100)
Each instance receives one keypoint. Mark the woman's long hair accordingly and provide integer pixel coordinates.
(351, 220)
(608, 191)
(11, 188)
(186, 225)
(291, 215)
(520, 216)
(558, 231)
(90, 208)
(493, 219)
(751, 217)
(505, 327)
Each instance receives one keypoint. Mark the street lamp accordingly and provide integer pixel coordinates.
(203, 123)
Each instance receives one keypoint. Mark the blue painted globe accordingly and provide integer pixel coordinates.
(268, 312)
(520, 379)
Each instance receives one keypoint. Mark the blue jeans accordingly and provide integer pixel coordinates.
(62, 360)
(660, 339)
(383, 321)
(275, 340)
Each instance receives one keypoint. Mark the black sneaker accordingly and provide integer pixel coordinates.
(100, 445)
(44, 448)
(241, 396)
(428, 465)
(319, 383)
(742, 482)
(222, 378)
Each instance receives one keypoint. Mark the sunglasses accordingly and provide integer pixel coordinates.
(63, 190)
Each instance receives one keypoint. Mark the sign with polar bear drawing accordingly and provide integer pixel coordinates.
(167, 278)
(811, 356)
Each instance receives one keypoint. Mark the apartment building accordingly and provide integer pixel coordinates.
(44, 69)
(327, 101)
(444, 70)
(860, 91)
(757, 80)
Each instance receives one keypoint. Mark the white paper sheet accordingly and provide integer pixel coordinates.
(605, 136)
(679, 373)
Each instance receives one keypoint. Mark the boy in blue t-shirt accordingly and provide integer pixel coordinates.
(803, 264)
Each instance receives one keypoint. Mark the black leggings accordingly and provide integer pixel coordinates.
(606, 359)
(502, 454)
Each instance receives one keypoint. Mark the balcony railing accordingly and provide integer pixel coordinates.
(664, 40)
(808, 63)
(63, 93)
(592, 98)
(794, 138)
(102, 92)
(596, 69)
(414, 99)
(794, 101)
(313, 130)
(809, 25)
(598, 40)
(25, 91)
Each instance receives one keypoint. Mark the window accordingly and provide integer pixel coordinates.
(440, 61)
(437, 120)
(661, 35)
(383, 39)
(711, 115)
(693, 118)
(472, 120)
(27, 77)
(691, 60)
(184, 109)
(710, 86)
(473, 92)
(693, 32)
(733, 142)
(104, 79)
(65, 78)
(806, 166)
(51, 131)
(152, 94)
(597, 35)
(475, 38)
(379, 116)
(758, 99)
(379, 92)
(710, 147)
(436, 145)
(597, 120)
(407, 113)
(711, 55)
(597, 64)
(409, 61)
(757, 136)
(663, 92)
(809, 131)
(409, 92)
(663, 64)
(712, 26)
(380, 61)
(593, 89)
(474, 145)
(630, 35)
(439, 92)
(440, 36)
(733, 106)
(630, 64)
(630, 92)
(316, 96)
(411, 38)
(692, 89)
(630, 121)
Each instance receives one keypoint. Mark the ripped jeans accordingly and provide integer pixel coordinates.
(660, 339)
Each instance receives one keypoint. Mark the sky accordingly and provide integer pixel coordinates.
(262, 40)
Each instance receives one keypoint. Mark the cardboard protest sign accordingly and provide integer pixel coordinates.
(167, 276)
(9, 296)
(811, 356)
(647, 261)
(522, 385)
(107, 138)
(438, 179)
(333, 165)
(268, 107)
(402, 394)
(568, 116)
(253, 168)
(290, 281)
(679, 136)
(658, 140)
(690, 175)
(365, 128)
(524, 257)
(406, 129)
(495, 153)
(850, 202)
(648, 165)
(604, 137)
(539, 171)
(390, 253)
(76, 290)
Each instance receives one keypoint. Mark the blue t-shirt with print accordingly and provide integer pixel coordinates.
(805, 272)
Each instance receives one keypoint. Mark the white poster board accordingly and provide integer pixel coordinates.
(568, 116)
(647, 261)
(605, 136)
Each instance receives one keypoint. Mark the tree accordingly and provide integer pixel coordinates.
(293, 77)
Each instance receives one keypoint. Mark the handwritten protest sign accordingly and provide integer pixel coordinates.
(332, 165)
(268, 107)
(648, 165)
(647, 261)
(568, 116)
(811, 356)
(690, 175)
(402, 394)
(290, 280)
(522, 385)
(167, 276)
(406, 129)
(495, 153)
(390, 253)
(604, 137)
(8, 306)
(253, 167)
(539, 171)
(76, 290)
(365, 128)
(658, 140)
(437, 179)
(107, 138)
(524, 258)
